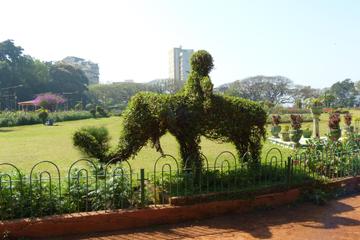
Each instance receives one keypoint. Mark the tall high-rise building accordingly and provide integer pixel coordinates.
(179, 66)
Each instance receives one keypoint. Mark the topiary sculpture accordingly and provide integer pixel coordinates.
(193, 112)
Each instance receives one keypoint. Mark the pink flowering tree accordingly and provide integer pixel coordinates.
(48, 101)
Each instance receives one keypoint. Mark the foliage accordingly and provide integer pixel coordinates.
(115, 95)
(332, 158)
(101, 111)
(334, 121)
(262, 88)
(48, 101)
(191, 113)
(296, 121)
(275, 120)
(301, 93)
(285, 118)
(93, 141)
(344, 93)
(279, 109)
(9, 119)
(22, 77)
(314, 102)
(347, 118)
(43, 114)
(286, 128)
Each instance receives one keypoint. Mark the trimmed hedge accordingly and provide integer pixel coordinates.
(9, 119)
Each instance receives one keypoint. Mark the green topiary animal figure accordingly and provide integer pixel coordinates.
(193, 112)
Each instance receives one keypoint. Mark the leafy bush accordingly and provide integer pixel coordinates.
(43, 115)
(20, 199)
(296, 121)
(348, 119)
(275, 120)
(93, 141)
(9, 119)
(101, 111)
(334, 121)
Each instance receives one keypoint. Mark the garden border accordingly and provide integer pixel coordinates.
(102, 221)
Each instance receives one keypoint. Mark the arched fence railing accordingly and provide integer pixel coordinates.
(90, 186)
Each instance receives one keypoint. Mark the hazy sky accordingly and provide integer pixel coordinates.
(312, 42)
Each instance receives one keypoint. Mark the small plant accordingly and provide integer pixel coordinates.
(43, 115)
(276, 120)
(296, 121)
(334, 121)
(285, 135)
(296, 133)
(307, 132)
(334, 126)
(348, 118)
(275, 130)
(286, 128)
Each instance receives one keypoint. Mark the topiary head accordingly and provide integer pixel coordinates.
(202, 62)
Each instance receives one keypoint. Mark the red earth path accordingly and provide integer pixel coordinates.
(338, 219)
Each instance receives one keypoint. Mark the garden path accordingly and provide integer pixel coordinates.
(337, 220)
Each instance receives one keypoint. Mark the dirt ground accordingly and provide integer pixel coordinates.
(338, 219)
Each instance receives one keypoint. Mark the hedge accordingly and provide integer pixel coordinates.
(9, 119)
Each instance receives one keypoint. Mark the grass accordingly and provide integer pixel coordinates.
(26, 145)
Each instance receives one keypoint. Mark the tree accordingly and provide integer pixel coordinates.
(344, 93)
(275, 89)
(304, 92)
(69, 81)
(115, 95)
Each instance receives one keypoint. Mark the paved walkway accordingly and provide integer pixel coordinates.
(339, 219)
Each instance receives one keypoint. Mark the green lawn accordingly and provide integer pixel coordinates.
(26, 145)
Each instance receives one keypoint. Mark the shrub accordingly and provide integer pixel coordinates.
(334, 121)
(296, 121)
(93, 142)
(101, 111)
(43, 115)
(9, 119)
(347, 118)
(275, 120)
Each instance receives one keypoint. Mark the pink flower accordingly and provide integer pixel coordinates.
(48, 100)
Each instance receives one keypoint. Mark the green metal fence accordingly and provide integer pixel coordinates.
(88, 186)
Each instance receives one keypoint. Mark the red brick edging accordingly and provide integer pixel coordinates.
(91, 222)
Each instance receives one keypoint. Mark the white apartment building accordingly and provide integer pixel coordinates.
(179, 65)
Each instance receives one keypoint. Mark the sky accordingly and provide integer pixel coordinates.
(312, 42)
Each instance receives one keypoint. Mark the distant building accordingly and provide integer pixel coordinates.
(179, 65)
(129, 80)
(90, 69)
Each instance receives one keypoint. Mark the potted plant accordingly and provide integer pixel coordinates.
(307, 132)
(296, 132)
(315, 105)
(276, 128)
(285, 135)
(334, 127)
(348, 128)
